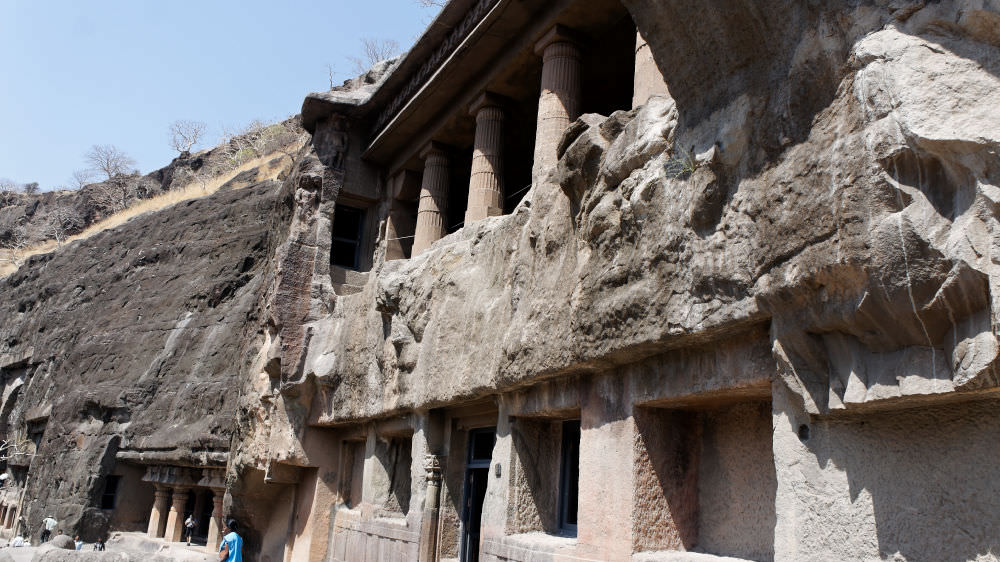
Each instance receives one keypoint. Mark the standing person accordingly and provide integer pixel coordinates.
(48, 524)
(232, 544)
(77, 542)
(189, 524)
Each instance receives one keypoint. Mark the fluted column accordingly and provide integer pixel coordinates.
(175, 521)
(486, 180)
(559, 103)
(433, 207)
(648, 80)
(215, 525)
(158, 515)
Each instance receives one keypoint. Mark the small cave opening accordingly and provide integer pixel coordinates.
(948, 187)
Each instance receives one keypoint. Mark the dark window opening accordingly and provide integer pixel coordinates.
(110, 491)
(20, 474)
(348, 223)
(481, 443)
(569, 482)
(804, 432)
(35, 432)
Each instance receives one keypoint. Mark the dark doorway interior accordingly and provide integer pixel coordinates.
(477, 473)
(199, 504)
(204, 518)
(569, 480)
(348, 226)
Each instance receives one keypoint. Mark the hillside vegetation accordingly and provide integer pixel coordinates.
(38, 223)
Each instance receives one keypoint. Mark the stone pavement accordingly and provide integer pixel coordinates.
(121, 547)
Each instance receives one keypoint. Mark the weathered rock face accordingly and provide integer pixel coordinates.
(128, 346)
(861, 228)
(857, 150)
(824, 173)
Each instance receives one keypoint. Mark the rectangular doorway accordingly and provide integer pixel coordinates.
(477, 474)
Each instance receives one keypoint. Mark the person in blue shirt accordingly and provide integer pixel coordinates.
(231, 549)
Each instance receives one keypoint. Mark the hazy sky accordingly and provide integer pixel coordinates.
(74, 73)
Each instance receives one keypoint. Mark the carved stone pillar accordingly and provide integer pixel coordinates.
(215, 525)
(559, 103)
(429, 521)
(431, 213)
(175, 521)
(648, 80)
(486, 180)
(158, 515)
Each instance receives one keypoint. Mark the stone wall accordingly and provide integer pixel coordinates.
(884, 486)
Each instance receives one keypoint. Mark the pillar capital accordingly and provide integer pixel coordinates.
(557, 34)
(179, 498)
(434, 148)
(487, 99)
(432, 468)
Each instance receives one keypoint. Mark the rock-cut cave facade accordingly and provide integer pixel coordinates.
(624, 280)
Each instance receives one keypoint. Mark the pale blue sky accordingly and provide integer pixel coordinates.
(84, 72)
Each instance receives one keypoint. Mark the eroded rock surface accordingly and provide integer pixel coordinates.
(864, 234)
(130, 344)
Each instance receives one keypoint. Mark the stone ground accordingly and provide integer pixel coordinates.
(121, 547)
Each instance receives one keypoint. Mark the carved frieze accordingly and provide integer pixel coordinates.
(427, 69)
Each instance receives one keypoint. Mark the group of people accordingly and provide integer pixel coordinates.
(231, 549)
(48, 525)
